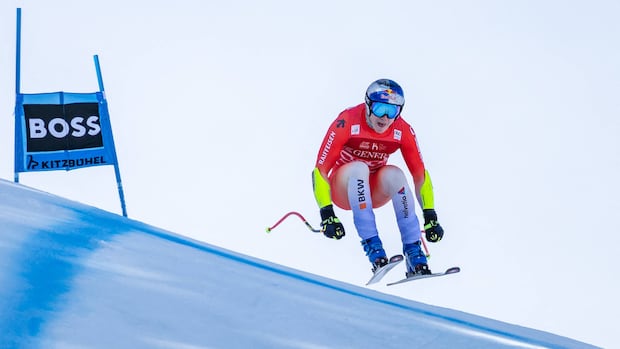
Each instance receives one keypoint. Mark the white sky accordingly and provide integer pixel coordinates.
(218, 110)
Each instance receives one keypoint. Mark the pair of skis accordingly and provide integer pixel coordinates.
(394, 261)
(380, 272)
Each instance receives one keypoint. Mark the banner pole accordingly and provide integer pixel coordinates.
(18, 44)
(117, 171)
(99, 76)
(18, 50)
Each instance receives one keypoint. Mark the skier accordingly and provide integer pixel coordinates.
(352, 173)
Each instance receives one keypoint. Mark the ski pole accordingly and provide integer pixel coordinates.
(269, 229)
(428, 255)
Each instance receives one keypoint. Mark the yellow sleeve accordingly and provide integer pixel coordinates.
(426, 192)
(322, 190)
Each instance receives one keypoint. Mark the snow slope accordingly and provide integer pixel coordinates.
(74, 276)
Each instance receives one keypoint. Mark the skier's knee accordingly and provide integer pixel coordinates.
(393, 177)
(357, 169)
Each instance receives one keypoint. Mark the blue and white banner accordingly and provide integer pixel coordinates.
(62, 131)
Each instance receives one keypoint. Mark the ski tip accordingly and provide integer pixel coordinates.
(396, 258)
(453, 270)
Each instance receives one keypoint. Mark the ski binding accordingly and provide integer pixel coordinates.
(382, 271)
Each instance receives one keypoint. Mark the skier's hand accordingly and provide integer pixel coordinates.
(434, 231)
(330, 224)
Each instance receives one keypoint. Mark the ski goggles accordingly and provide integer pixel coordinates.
(384, 109)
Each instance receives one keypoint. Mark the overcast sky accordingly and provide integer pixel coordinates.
(218, 110)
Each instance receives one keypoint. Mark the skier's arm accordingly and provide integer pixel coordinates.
(330, 224)
(423, 186)
(322, 190)
(427, 197)
(326, 159)
(415, 164)
(332, 144)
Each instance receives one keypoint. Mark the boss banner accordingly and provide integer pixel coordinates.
(62, 131)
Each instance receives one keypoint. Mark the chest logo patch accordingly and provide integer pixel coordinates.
(398, 134)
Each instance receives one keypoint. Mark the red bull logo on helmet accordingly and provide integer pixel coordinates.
(390, 96)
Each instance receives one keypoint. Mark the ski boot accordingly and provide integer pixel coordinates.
(416, 259)
(375, 252)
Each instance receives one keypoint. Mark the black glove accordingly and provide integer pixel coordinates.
(434, 231)
(330, 225)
